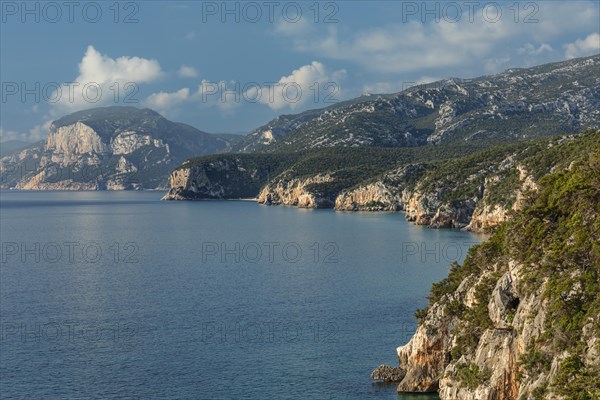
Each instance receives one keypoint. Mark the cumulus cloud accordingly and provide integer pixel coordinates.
(309, 83)
(35, 134)
(100, 76)
(187, 72)
(583, 47)
(97, 67)
(164, 101)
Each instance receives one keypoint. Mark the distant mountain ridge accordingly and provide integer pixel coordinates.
(112, 148)
(10, 146)
(518, 104)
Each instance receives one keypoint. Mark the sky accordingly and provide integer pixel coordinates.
(230, 67)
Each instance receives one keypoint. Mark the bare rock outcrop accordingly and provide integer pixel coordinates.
(296, 192)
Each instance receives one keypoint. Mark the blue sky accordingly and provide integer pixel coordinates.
(231, 67)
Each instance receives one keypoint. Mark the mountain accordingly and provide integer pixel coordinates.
(11, 146)
(519, 319)
(111, 148)
(473, 186)
(518, 104)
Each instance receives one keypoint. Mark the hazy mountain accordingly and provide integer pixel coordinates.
(10, 146)
(108, 148)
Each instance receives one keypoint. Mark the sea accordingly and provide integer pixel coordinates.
(119, 295)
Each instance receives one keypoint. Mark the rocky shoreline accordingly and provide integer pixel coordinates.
(421, 208)
(519, 318)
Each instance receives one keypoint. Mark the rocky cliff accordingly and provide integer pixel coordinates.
(476, 192)
(114, 148)
(520, 318)
(236, 176)
(223, 179)
(296, 192)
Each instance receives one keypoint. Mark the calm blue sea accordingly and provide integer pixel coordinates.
(119, 295)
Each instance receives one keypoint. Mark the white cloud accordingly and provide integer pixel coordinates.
(309, 83)
(187, 72)
(496, 64)
(531, 50)
(33, 109)
(445, 46)
(301, 27)
(397, 86)
(383, 87)
(407, 47)
(556, 19)
(35, 134)
(586, 47)
(163, 102)
(9, 135)
(96, 67)
(100, 71)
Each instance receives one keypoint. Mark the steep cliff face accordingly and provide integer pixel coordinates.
(425, 201)
(520, 318)
(198, 182)
(372, 197)
(429, 209)
(296, 192)
(114, 148)
(222, 177)
(487, 216)
(67, 143)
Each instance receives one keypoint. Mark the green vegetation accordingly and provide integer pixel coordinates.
(456, 174)
(471, 376)
(555, 238)
(576, 381)
(535, 360)
(348, 166)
